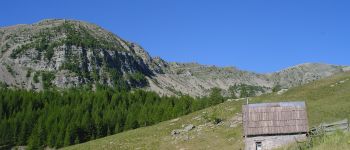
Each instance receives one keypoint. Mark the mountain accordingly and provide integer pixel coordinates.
(197, 80)
(327, 101)
(69, 53)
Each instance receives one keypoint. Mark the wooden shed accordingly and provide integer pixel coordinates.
(271, 125)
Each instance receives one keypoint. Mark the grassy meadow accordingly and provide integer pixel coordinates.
(327, 100)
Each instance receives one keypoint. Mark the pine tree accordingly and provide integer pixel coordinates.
(68, 136)
(61, 118)
(232, 92)
(215, 96)
(36, 140)
(244, 92)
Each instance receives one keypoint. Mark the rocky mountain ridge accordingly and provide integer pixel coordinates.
(197, 80)
(68, 53)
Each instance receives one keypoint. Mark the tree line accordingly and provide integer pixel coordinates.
(53, 118)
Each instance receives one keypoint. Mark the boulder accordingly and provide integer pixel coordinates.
(282, 91)
(175, 132)
(189, 127)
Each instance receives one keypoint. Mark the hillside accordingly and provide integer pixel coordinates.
(60, 53)
(197, 80)
(72, 53)
(327, 100)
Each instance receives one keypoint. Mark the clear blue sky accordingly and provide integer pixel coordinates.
(256, 35)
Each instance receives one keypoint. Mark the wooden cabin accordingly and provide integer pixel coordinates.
(272, 125)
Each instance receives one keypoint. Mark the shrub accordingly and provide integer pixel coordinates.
(36, 77)
(46, 78)
(276, 88)
(29, 72)
(10, 70)
(212, 117)
(137, 79)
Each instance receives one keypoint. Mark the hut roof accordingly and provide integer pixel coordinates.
(274, 118)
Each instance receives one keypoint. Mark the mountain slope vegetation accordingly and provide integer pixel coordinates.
(327, 100)
(61, 118)
(65, 82)
(77, 53)
(80, 54)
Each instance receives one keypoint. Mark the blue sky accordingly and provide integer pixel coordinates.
(255, 35)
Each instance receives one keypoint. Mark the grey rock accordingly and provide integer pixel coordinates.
(280, 92)
(93, 64)
(175, 132)
(189, 127)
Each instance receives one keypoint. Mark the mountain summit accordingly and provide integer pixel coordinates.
(69, 53)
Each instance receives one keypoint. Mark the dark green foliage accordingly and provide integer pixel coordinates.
(45, 44)
(18, 51)
(29, 72)
(46, 78)
(37, 138)
(7, 46)
(3, 85)
(232, 91)
(137, 79)
(36, 77)
(50, 50)
(72, 66)
(104, 65)
(79, 36)
(216, 96)
(10, 70)
(42, 44)
(61, 118)
(95, 74)
(244, 90)
(276, 88)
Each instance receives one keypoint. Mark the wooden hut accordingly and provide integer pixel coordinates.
(271, 125)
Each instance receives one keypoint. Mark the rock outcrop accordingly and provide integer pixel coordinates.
(69, 53)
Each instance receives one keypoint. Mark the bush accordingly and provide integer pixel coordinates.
(276, 88)
(212, 117)
(137, 79)
(244, 90)
(46, 78)
(16, 52)
(10, 70)
(215, 96)
(29, 72)
(36, 77)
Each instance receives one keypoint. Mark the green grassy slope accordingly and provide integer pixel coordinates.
(327, 100)
(337, 141)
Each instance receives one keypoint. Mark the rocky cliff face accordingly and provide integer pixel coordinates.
(68, 53)
(197, 80)
(304, 73)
